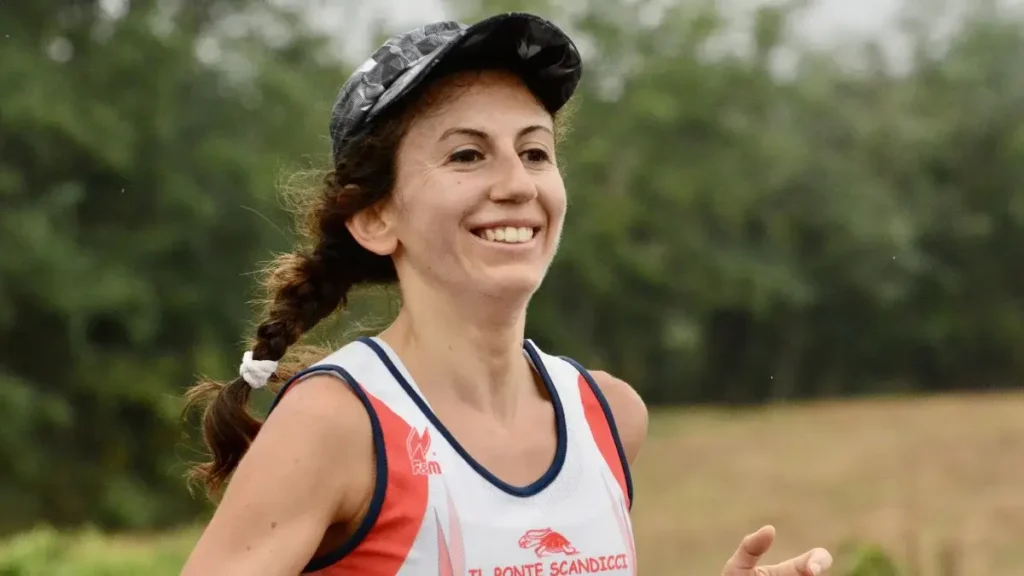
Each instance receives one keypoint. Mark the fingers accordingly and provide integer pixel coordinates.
(744, 561)
(811, 563)
(751, 548)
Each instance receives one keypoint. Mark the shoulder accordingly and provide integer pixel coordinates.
(628, 409)
(319, 405)
(316, 424)
(288, 487)
(322, 421)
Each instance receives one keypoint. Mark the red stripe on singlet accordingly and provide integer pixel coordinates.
(602, 432)
(388, 543)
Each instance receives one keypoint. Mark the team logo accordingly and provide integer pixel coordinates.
(418, 445)
(546, 542)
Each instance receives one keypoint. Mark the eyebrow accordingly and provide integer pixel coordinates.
(475, 133)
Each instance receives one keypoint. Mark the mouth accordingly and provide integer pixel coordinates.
(507, 234)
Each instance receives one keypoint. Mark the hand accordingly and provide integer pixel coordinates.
(744, 561)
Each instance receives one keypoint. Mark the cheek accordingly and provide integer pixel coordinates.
(429, 226)
(556, 204)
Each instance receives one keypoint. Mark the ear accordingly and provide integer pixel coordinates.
(374, 228)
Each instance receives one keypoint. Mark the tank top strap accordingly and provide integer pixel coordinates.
(587, 411)
(400, 498)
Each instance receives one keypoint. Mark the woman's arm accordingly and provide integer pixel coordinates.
(290, 486)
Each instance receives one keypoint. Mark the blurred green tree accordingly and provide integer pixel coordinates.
(139, 153)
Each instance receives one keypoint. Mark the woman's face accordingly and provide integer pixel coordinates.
(479, 201)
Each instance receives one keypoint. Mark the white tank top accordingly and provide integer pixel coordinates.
(436, 510)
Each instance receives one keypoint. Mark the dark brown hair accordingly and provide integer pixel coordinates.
(307, 285)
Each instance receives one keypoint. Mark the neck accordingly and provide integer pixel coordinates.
(468, 351)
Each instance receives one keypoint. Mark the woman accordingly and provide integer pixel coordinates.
(448, 444)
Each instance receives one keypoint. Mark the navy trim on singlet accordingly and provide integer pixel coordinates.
(607, 409)
(381, 481)
(522, 491)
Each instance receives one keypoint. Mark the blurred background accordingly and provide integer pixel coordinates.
(796, 228)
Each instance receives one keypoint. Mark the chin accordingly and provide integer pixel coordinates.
(511, 284)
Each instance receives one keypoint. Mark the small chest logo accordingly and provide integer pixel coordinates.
(418, 445)
(547, 542)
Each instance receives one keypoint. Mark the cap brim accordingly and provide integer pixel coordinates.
(538, 51)
(530, 46)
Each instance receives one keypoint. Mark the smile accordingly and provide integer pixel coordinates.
(507, 234)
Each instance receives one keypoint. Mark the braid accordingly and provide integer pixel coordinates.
(307, 289)
(304, 288)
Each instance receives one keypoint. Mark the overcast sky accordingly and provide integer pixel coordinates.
(825, 22)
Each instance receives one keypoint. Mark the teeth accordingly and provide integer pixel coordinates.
(507, 234)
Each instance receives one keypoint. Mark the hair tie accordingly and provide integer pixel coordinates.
(256, 372)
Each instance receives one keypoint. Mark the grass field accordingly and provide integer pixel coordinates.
(921, 477)
(918, 477)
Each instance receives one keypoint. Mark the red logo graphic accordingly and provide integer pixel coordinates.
(546, 542)
(418, 446)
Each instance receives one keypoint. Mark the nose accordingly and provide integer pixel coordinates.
(514, 183)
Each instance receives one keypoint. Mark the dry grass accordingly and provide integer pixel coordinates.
(914, 476)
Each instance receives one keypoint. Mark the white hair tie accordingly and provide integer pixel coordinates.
(256, 372)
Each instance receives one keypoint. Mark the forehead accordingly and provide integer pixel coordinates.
(487, 100)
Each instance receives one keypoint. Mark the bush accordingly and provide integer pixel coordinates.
(48, 552)
(872, 561)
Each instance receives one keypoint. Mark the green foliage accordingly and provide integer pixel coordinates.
(134, 178)
(872, 561)
(45, 551)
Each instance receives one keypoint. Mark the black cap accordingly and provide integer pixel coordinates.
(528, 45)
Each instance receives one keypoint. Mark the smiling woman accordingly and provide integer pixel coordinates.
(448, 444)
(479, 198)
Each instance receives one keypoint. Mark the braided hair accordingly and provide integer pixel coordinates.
(303, 288)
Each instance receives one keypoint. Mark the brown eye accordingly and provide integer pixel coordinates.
(465, 156)
(536, 155)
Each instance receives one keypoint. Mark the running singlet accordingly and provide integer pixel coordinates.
(436, 511)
